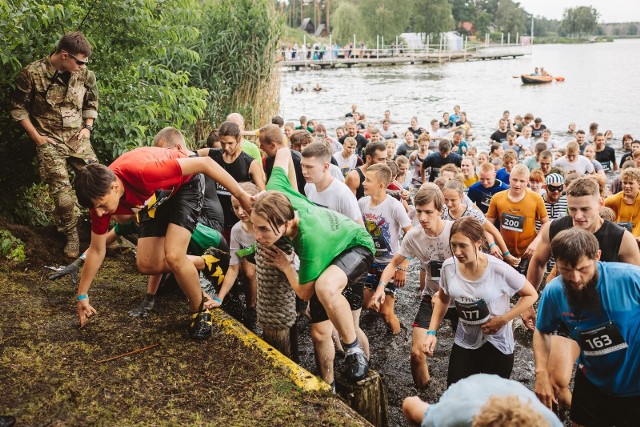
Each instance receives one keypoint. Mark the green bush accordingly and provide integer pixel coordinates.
(157, 62)
(11, 248)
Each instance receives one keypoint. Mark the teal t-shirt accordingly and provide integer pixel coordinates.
(323, 234)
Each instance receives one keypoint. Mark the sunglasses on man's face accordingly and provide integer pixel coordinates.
(555, 188)
(78, 61)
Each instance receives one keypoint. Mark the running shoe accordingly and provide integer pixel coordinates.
(201, 325)
(357, 365)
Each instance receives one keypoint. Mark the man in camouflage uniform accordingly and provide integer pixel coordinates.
(56, 102)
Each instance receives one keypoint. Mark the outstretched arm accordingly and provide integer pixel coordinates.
(207, 166)
(95, 256)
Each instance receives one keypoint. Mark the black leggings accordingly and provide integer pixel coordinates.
(487, 359)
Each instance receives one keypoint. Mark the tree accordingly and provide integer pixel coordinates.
(346, 22)
(386, 18)
(510, 17)
(146, 55)
(432, 16)
(579, 21)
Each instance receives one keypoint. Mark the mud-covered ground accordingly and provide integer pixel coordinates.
(390, 354)
(52, 373)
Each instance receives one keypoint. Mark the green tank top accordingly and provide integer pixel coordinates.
(323, 234)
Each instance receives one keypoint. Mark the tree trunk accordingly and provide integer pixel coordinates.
(368, 397)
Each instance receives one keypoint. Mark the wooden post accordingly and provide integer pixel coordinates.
(276, 305)
(368, 397)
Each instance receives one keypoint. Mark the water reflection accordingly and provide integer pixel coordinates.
(599, 87)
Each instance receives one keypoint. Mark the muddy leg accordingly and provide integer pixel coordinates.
(419, 367)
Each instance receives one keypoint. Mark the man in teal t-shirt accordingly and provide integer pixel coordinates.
(334, 252)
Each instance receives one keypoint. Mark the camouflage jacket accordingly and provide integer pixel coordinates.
(56, 108)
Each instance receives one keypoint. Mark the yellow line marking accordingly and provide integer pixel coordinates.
(300, 376)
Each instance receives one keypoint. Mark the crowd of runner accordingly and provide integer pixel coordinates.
(489, 219)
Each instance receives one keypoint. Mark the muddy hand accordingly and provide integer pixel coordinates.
(85, 311)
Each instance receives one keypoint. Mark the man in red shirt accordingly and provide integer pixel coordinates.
(165, 189)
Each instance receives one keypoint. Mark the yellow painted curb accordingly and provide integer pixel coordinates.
(300, 376)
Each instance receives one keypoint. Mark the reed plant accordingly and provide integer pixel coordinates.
(237, 47)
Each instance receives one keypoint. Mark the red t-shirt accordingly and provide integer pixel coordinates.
(142, 172)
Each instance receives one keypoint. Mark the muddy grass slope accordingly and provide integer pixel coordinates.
(51, 374)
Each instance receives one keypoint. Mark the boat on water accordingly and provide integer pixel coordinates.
(528, 79)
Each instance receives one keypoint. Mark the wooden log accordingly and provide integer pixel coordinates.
(368, 397)
(278, 338)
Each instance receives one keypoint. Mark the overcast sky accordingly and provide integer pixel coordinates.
(610, 10)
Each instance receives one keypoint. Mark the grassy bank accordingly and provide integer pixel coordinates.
(569, 40)
(53, 373)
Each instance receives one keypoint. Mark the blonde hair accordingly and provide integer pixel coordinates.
(383, 172)
(501, 411)
(630, 174)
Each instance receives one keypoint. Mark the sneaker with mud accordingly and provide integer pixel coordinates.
(357, 365)
(72, 248)
(201, 326)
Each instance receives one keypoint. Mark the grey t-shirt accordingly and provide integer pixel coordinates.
(464, 399)
(240, 239)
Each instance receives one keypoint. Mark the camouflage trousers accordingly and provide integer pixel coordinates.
(54, 163)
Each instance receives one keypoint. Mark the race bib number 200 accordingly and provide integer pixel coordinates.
(513, 222)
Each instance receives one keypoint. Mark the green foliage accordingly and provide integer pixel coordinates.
(237, 47)
(510, 17)
(578, 21)
(384, 18)
(432, 16)
(346, 22)
(11, 248)
(157, 62)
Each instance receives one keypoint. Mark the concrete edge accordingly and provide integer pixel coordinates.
(300, 376)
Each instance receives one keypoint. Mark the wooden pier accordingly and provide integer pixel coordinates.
(372, 57)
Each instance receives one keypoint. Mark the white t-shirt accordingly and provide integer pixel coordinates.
(346, 165)
(384, 222)
(431, 251)
(524, 142)
(240, 239)
(336, 172)
(337, 197)
(582, 165)
(496, 287)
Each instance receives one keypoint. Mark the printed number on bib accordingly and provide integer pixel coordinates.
(513, 222)
(473, 313)
(486, 200)
(600, 340)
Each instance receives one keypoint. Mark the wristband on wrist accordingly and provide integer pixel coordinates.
(89, 127)
(430, 332)
(81, 297)
(382, 284)
(401, 269)
(492, 244)
(506, 253)
(83, 256)
(218, 300)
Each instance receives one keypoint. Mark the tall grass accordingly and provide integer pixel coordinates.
(237, 47)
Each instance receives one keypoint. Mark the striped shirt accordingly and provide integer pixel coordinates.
(554, 210)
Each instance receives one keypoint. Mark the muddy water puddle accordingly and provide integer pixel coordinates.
(390, 354)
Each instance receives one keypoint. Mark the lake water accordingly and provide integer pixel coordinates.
(601, 86)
